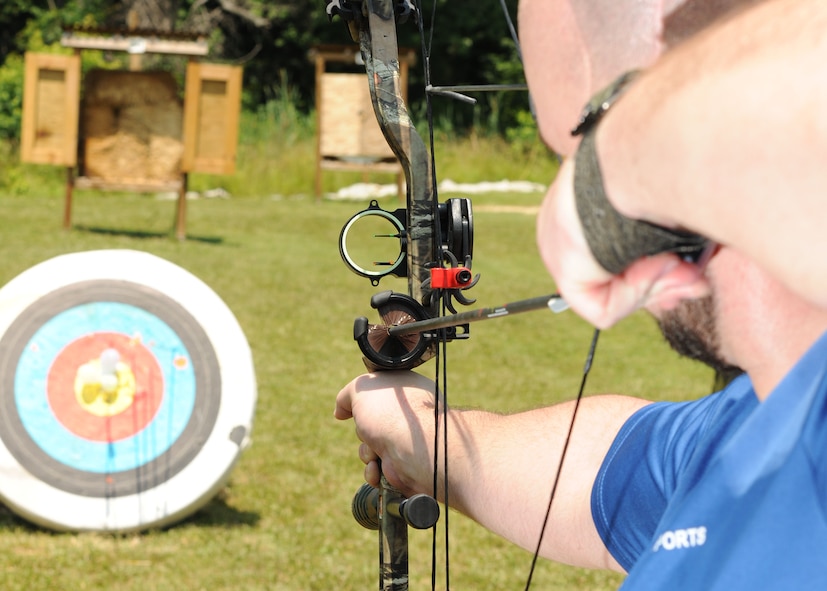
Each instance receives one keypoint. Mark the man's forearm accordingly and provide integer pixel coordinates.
(492, 455)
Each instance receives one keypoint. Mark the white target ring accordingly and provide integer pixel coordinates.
(127, 392)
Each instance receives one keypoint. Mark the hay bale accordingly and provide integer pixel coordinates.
(132, 127)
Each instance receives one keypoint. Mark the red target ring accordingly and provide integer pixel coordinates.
(89, 410)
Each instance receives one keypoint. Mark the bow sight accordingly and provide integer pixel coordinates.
(448, 278)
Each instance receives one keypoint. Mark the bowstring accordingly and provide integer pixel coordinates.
(441, 350)
(512, 30)
(586, 368)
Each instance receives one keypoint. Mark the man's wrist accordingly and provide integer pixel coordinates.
(616, 241)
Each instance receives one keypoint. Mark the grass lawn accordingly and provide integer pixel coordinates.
(283, 522)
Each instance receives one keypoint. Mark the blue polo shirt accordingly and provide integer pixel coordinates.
(723, 493)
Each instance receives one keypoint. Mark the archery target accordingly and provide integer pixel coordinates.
(127, 392)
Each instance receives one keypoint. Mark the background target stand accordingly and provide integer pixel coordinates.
(129, 130)
(348, 137)
(127, 392)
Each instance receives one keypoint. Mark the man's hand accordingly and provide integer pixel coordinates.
(394, 416)
(659, 281)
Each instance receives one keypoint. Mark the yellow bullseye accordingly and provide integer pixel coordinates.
(105, 386)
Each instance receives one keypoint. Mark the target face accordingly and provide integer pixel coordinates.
(112, 408)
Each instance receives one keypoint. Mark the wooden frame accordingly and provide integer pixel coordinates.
(51, 111)
(51, 98)
(212, 102)
(136, 42)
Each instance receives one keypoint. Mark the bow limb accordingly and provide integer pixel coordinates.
(434, 237)
(380, 52)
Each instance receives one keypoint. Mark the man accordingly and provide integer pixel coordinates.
(718, 136)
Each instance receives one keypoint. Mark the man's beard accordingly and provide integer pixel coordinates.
(690, 329)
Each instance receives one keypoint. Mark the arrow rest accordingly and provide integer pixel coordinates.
(381, 350)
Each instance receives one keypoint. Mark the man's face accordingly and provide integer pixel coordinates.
(691, 329)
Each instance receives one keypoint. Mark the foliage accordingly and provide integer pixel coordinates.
(41, 33)
(45, 16)
(469, 43)
(13, 16)
(11, 97)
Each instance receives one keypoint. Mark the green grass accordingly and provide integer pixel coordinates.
(283, 522)
(277, 150)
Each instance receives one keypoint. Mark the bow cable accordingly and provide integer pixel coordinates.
(586, 369)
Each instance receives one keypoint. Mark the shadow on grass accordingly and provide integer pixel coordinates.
(144, 235)
(216, 513)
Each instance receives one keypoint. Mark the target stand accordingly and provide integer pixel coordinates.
(127, 392)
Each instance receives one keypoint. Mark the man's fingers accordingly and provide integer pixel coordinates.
(344, 409)
(372, 474)
(344, 399)
(366, 454)
(657, 282)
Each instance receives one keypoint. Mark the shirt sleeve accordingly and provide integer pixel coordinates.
(644, 464)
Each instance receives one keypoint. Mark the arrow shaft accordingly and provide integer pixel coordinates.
(474, 315)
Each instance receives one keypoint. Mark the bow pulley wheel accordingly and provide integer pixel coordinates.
(386, 351)
(457, 223)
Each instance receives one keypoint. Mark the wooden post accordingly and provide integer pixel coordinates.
(51, 97)
(319, 72)
(67, 206)
(212, 103)
(181, 211)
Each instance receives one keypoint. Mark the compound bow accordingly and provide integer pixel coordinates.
(436, 249)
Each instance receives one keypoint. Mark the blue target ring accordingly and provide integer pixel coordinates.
(45, 428)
